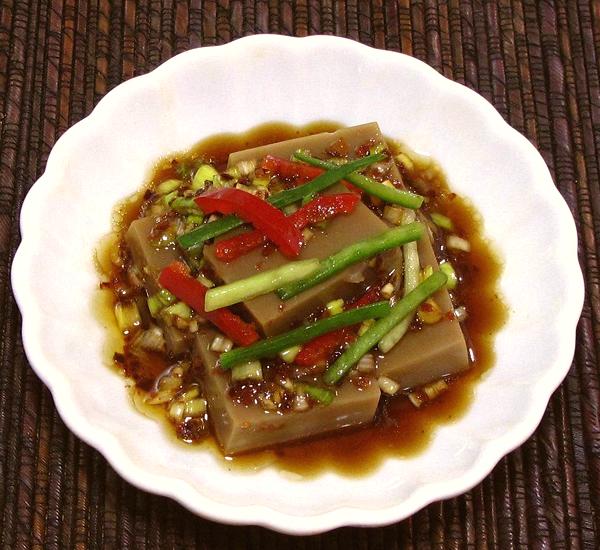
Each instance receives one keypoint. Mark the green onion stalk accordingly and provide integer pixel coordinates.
(275, 344)
(259, 284)
(353, 354)
(355, 253)
(368, 185)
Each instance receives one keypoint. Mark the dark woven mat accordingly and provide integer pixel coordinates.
(537, 62)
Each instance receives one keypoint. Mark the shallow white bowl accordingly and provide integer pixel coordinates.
(232, 88)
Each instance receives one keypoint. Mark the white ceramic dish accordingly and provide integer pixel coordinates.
(202, 92)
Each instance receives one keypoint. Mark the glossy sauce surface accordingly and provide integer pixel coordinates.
(400, 429)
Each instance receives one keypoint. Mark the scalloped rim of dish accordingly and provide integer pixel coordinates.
(184, 492)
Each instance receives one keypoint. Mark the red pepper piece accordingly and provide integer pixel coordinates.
(259, 213)
(297, 172)
(323, 208)
(177, 280)
(317, 210)
(370, 297)
(318, 351)
(229, 249)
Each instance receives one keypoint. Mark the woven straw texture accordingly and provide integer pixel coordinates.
(537, 62)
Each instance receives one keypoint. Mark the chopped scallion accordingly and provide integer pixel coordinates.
(405, 160)
(127, 315)
(220, 344)
(194, 407)
(252, 370)
(458, 243)
(179, 309)
(322, 395)
(335, 306)
(193, 220)
(169, 198)
(392, 214)
(387, 385)
(433, 389)
(205, 173)
(377, 149)
(442, 221)
(288, 355)
(261, 182)
(168, 186)
(185, 205)
(448, 269)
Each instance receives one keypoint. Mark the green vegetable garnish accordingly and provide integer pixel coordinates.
(442, 221)
(369, 185)
(168, 186)
(322, 395)
(205, 173)
(257, 285)
(183, 205)
(273, 345)
(159, 300)
(179, 309)
(252, 370)
(412, 276)
(448, 269)
(364, 343)
(357, 252)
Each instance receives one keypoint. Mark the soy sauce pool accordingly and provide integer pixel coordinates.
(400, 429)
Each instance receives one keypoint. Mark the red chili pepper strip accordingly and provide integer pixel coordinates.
(177, 280)
(227, 250)
(319, 350)
(318, 210)
(297, 172)
(323, 208)
(370, 297)
(259, 213)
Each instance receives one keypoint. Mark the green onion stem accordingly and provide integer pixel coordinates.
(273, 345)
(250, 370)
(259, 284)
(364, 343)
(159, 300)
(322, 395)
(369, 185)
(449, 271)
(412, 274)
(185, 205)
(442, 221)
(357, 252)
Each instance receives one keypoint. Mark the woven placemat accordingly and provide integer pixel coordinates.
(537, 62)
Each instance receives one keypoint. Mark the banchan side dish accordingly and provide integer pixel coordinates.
(322, 286)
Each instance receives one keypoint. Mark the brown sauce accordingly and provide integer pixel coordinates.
(400, 429)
